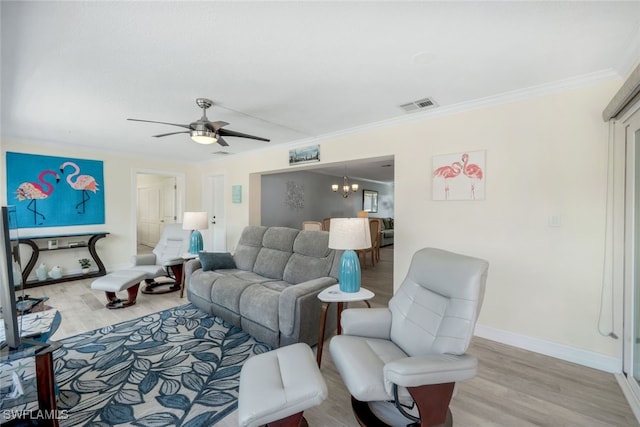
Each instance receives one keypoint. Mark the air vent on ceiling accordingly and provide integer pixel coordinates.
(421, 104)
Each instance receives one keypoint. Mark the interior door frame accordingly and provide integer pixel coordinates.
(624, 250)
(180, 198)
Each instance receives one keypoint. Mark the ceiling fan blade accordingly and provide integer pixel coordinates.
(214, 126)
(222, 142)
(162, 123)
(225, 132)
(171, 133)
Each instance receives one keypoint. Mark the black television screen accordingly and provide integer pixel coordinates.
(10, 275)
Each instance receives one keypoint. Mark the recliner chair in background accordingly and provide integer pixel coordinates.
(414, 350)
(165, 261)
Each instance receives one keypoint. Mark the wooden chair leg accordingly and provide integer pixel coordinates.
(132, 293)
(433, 403)
(295, 420)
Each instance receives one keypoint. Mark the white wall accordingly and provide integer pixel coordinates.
(546, 156)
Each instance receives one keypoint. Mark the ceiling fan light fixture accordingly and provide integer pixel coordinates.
(204, 137)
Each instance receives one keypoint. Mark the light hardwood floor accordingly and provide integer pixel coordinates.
(513, 387)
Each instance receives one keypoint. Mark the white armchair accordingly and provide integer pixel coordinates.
(414, 350)
(165, 260)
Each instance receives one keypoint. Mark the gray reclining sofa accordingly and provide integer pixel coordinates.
(269, 286)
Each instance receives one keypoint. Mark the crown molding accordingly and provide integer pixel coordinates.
(443, 111)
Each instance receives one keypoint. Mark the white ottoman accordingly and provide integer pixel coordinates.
(119, 281)
(277, 386)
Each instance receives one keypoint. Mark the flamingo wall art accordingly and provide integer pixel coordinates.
(82, 183)
(459, 176)
(53, 191)
(34, 191)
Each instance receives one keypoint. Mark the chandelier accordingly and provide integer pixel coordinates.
(346, 188)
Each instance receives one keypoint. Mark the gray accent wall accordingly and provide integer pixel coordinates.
(311, 199)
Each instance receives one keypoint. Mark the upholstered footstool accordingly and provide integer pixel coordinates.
(277, 386)
(119, 281)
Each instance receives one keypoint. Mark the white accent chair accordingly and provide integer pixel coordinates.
(414, 350)
(165, 261)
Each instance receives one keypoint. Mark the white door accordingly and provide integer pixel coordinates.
(148, 215)
(217, 233)
(168, 201)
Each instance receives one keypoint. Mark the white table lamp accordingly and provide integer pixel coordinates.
(349, 234)
(195, 221)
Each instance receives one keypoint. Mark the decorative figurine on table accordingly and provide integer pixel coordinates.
(55, 272)
(41, 272)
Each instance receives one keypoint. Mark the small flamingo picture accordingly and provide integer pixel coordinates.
(473, 172)
(447, 173)
(459, 176)
(34, 191)
(82, 183)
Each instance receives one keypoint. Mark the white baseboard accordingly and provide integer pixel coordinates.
(560, 351)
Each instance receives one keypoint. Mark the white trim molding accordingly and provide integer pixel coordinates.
(559, 351)
(631, 397)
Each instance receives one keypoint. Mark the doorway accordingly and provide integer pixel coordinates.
(158, 203)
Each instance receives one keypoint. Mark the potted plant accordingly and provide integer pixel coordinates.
(85, 264)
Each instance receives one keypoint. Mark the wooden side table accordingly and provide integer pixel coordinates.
(186, 257)
(334, 294)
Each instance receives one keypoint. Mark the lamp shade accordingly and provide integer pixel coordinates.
(349, 233)
(195, 221)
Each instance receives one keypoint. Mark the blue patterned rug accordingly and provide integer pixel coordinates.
(179, 367)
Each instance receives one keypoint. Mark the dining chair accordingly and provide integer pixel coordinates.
(312, 225)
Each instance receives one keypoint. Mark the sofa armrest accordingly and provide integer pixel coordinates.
(145, 259)
(429, 369)
(290, 296)
(189, 268)
(367, 322)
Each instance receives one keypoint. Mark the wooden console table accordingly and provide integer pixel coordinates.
(90, 245)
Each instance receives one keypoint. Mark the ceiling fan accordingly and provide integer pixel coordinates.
(204, 131)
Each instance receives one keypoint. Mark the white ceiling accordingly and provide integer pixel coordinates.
(72, 72)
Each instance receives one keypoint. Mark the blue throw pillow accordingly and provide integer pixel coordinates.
(216, 261)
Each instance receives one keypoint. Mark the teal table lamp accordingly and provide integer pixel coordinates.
(349, 234)
(195, 221)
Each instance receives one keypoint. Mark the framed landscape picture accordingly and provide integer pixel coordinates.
(304, 155)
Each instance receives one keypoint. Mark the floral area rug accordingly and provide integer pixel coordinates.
(179, 367)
